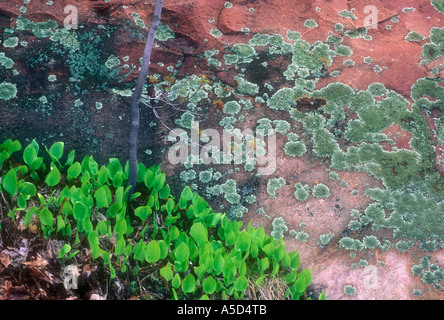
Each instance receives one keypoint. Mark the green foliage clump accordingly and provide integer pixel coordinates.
(295, 148)
(377, 89)
(325, 239)
(282, 99)
(232, 107)
(279, 228)
(8, 91)
(164, 32)
(302, 191)
(310, 23)
(347, 14)
(438, 5)
(192, 251)
(273, 185)
(320, 190)
(243, 51)
(5, 61)
(414, 37)
(343, 51)
(349, 290)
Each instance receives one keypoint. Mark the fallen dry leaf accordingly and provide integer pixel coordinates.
(37, 263)
(4, 259)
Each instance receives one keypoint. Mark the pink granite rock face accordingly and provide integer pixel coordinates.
(393, 61)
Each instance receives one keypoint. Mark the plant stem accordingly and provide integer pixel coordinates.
(135, 99)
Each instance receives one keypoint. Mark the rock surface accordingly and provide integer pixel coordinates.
(103, 132)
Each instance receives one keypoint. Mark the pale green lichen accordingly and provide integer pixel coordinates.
(301, 236)
(216, 33)
(302, 191)
(325, 239)
(8, 91)
(347, 14)
(164, 32)
(273, 185)
(349, 290)
(259, 40)
(310, 23)
(414, 36)
(320, 190)
(5, 61)
(279, 228)
(232, 107)
(112, 62)
(295, 148)
(343, 51)
(11, 42)
(281, 126)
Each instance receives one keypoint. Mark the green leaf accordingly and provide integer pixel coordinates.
(114, 167)
(294, 264)
(149, 178)
(300, 285)
(159, 181)
(36, 164)
(199, 233)
(74, 171)
(80, 211)
(3, 156)
(64, 250)
(56, 150)
(242, 268)
(21, 202)
(218, 264)
(29, 154)
(28, 216)
(120, 227)
(176, 281)
(265, 263)
(307, 275)
(120, 246)
(53, 177)
(60, 223)
(322, 296)
(101, 196)
(46, 217)
(102, 227)
(187, 194)
(143, 212)
(166, 272)
(269, 249)
(72, 254)
(70, 158)
(112, 271)
(102, 175)
(169, 206)
(189, 283)
(182, 252)
(209, 285)
(152, 253)
(164, 248)
(243, 241)
(229, 271)
(118, 180)
(9, 182)
(165, 192)
(93, 238)
(241, 283)
(230, 239)
(28, 189)
(141, 170)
